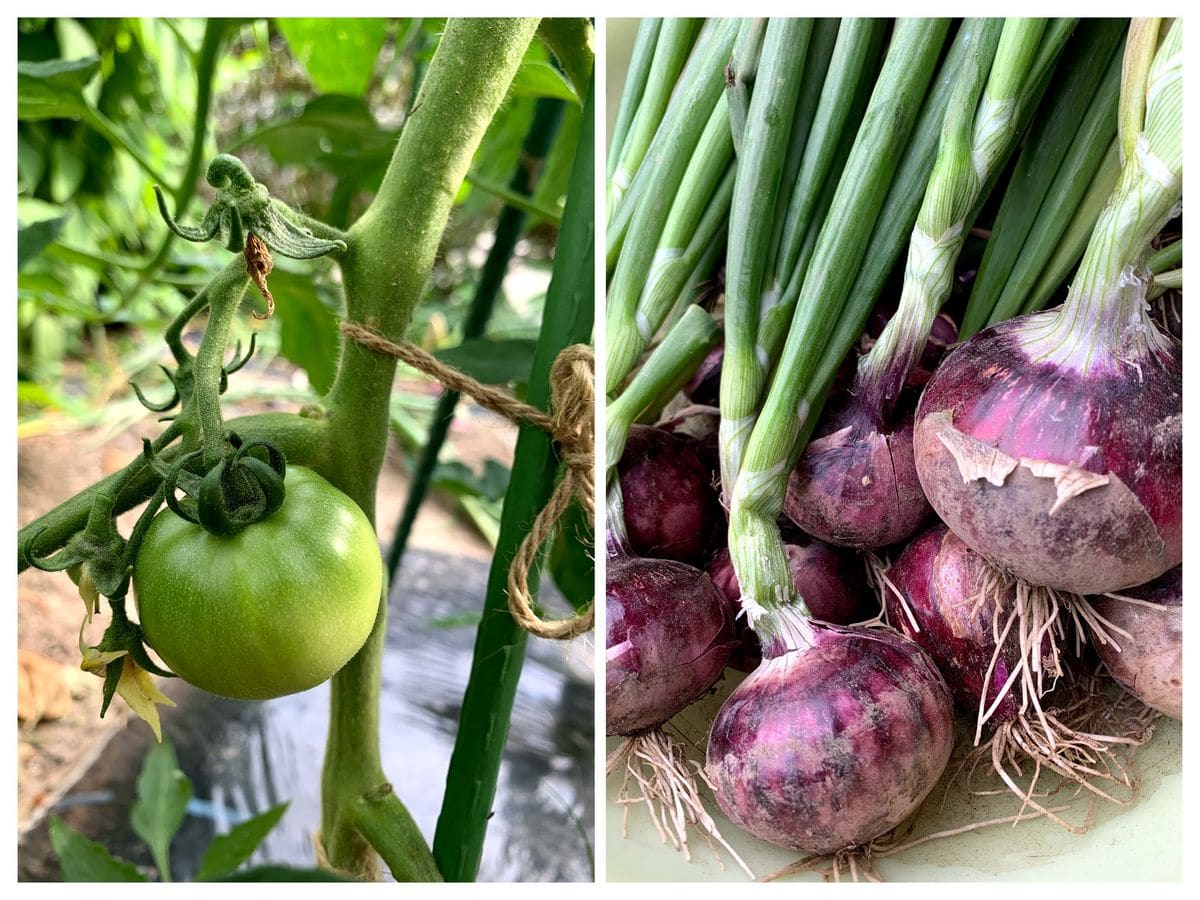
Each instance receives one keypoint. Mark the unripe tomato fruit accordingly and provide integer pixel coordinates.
(275, 609)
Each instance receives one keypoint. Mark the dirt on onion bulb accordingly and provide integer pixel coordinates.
(834, 743)
(1149, 659)
(996, 639)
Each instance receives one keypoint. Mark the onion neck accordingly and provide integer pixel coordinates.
(1105, 314)
(882, 373)
(616, 538)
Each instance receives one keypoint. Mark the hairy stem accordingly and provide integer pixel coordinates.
(391, 252)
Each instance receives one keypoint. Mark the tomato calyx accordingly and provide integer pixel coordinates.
(244, 487)
(96, 557)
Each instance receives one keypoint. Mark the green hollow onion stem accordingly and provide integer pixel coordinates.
(643, 206)
(633, 89)
(1085, 65)
(675, 38)
(1105, 306)
(665, 370)
(757, 495)
(979, 129)
(760, 165)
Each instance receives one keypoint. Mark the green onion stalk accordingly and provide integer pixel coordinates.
(757, 496)
(671, 48)
(646, 202)
(679, 216)
(760, 165)
(1086, 81)
(633, 90)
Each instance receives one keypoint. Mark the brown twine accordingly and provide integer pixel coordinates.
(572, 394)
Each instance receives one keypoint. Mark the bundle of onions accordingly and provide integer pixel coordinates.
(856, 484)
(669, 630)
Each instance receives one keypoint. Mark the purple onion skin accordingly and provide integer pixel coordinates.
(671, 506)
(669, 635)
(704, 387)
(856, 485)
(830, 580)
(1150, 663)
(937, 574)
(828, 747)
(1115, 420)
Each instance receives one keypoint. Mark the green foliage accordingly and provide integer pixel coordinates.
(349, 70)
(491, 360)
(228, 851)
(53, 89)
(163, 794)
(104, 102)
(84, 860)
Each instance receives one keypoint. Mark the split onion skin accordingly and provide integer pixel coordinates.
(999, 437)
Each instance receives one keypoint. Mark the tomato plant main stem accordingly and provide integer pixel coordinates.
(509, 227)
(391, 253)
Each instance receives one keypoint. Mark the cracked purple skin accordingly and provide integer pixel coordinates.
(1150, 663)
(1113, 422)
(669, 634)
(830, 580)
(670, 503)
(938, 573)
(856, 485)
(828, 747)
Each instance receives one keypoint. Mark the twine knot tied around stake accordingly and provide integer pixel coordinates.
(572, 426)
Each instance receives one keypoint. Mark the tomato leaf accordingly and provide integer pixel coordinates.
(571, 557)
(84, 860)
(490, 360)
(228, 851)
(540, 79)
(458, 479)
(163, 793)
(308, 331)
(33, 239)
(336, 133)
(53, 89)
(339, 54)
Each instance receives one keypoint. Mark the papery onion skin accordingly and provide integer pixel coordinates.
(828, 747)
(997, 433)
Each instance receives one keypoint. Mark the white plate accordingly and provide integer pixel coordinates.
(1142, 842)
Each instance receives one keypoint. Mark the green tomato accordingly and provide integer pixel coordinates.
(272, 610)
